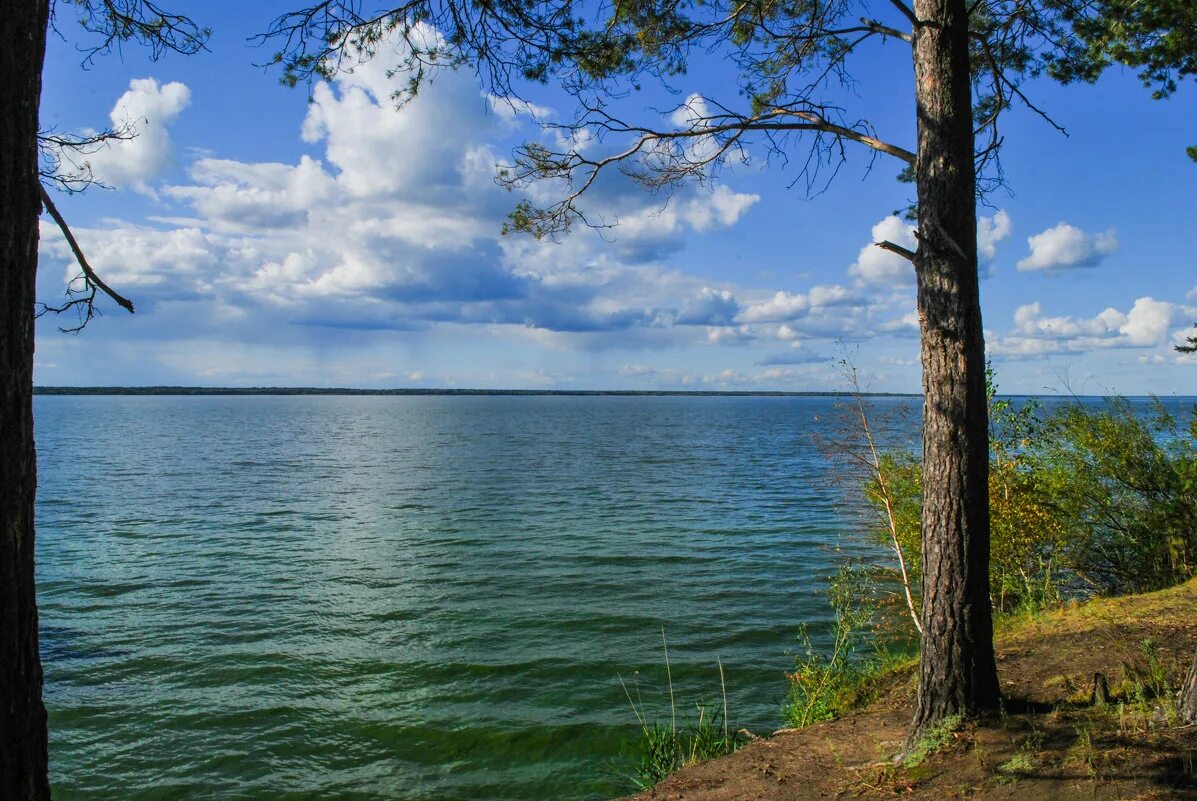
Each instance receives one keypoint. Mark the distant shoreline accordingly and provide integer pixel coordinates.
(164, 390)
(583, 393)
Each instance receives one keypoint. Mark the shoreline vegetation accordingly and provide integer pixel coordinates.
(1089, 690)
(1093, 576)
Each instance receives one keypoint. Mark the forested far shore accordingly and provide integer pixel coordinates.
(442, 391)
(647, 393)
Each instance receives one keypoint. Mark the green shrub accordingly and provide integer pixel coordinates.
(1127, 485)
(1105, 498)
(827, 683)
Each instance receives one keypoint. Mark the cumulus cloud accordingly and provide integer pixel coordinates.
(781, 307)
(1066, 246)
(710, 307)
(731, 335)
(878, 267)
(1145, 325)
(907, 324)
(392, 224)
(395, 224)
(145, 110)
(990, 231)
(649, 232)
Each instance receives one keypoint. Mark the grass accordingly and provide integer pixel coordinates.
(1024, 762)
(933, 740)
(663, 748)
(1051, 741)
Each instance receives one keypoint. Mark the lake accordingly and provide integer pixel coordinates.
(417, 597)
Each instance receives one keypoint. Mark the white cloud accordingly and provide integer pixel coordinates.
(728, 335)
(239, 196)
(710, 307)
(990, 231)
(396, 225)
(906, 324)
(1145, 325)
(392, 224)
(786, 333)
(1066, 246)
(779, 308)
(876, 266)
(833, 295)
(147, 108)
(1147, 322)
(721, 207)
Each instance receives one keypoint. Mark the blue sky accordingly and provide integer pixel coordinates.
(269, 237)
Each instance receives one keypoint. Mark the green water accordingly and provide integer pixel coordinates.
(414, 597)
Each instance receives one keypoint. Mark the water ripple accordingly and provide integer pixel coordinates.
(413, 597)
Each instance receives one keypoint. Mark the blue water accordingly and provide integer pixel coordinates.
(416, 597)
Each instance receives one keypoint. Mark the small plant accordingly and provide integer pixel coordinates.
(827, 683)
(662, 748)
(1149, 680)
(1082, 754)
(1022, 763)
(934, 739)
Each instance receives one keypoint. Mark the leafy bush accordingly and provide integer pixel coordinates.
(827, 683)
(1127, 486)
(1101, 497)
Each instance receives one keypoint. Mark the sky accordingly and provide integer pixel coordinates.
(318, 236)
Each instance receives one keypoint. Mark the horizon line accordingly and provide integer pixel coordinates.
(171, 389)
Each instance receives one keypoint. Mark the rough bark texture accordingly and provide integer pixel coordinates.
(1187, 704)
(958, 674)
(23, 762)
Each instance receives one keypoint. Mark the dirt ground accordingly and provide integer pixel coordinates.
(1051, 743)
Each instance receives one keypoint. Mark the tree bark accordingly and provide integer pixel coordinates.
(23, 755)
(1186, 705)
(958, 674)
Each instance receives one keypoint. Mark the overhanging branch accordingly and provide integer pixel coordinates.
(89, 274)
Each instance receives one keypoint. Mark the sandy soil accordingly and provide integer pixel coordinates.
(1051, 744)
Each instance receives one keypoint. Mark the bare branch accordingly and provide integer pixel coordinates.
(906, 12)
(91, 281)
(893, 247)
(817, 123)
(885, 30)
(1000, 78)
(63, 156)
(662, 159)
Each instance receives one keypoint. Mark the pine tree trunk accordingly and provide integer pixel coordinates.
(958, 675)
(23, 758)
(1187, 703)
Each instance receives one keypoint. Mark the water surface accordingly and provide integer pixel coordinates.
(414, 597)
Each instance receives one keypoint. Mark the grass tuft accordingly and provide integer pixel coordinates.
(934, 739)
(663, 748)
